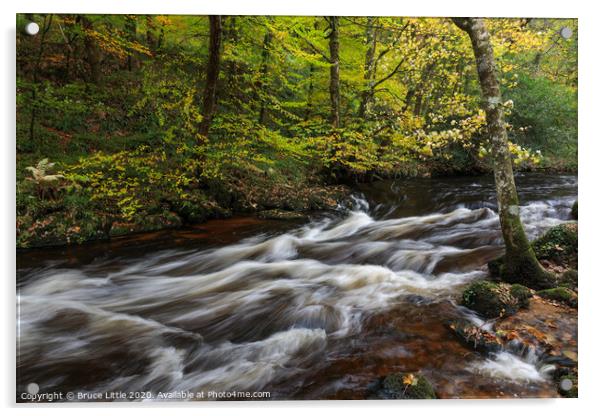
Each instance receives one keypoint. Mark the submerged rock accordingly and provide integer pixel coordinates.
(494, 300)
(402, 386)
(560, 294)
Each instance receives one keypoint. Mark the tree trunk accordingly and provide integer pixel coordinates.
(310, 93)
(369, 67)
(151, 39)
(335, 93)
(520, 264)
(36, 69)
(130, 30)
(92, 52)
(215, 40)
(232, 71)
(265, 56)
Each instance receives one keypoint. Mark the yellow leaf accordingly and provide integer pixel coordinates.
(408, 379)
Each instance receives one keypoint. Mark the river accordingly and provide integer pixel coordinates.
(302, 310)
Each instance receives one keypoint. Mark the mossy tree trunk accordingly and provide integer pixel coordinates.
(335, 93)
(212, 73)
(520, 264)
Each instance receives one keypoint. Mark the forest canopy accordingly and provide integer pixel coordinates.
(137, 121)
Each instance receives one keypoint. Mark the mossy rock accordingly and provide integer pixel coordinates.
(403, 386)
(522, 294)
(558, 244)
(574, 210)
(474, 337)
(560, 294)
(489, 299)
(495, 267)
(569, 279)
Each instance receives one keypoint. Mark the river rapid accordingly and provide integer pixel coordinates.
(305, 310)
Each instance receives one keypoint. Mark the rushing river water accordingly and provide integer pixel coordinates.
(301, 310)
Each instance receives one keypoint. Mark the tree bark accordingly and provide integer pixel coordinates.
(130, 30)
(92, 52)
(151, 39)
(520, 263)
(369, 67)
(265, 56)
(335, 92)
(36, 69)
(310, 93)
(212, 75)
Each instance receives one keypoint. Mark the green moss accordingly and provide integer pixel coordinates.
(558, 244)
(560, 294)
(569, 279)
(522, 294)
(407, 386)
(525, 269)
(489, 299)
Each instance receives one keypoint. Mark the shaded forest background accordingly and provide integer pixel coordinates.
(115, 133)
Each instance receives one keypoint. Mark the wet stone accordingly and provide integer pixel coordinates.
(402, 386)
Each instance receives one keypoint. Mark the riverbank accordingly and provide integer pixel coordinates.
(111, 196)
(114, 196)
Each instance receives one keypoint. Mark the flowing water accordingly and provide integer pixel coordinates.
(300, 310)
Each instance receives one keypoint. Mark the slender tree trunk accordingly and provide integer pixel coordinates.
(230, 92)
(151, 39)
(520, 264)
(130, 30)
(420, 89)
(335, 93)
(369, 67)
(92, 52)
(32, 120)
(310, 93)
(265, 56)
(212, 75)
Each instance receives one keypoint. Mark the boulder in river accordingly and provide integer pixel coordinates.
(475, 337)
(402, 386)
(522, 294)
(560, 294)
(494, 300)
(569, 279)
(558, 244)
